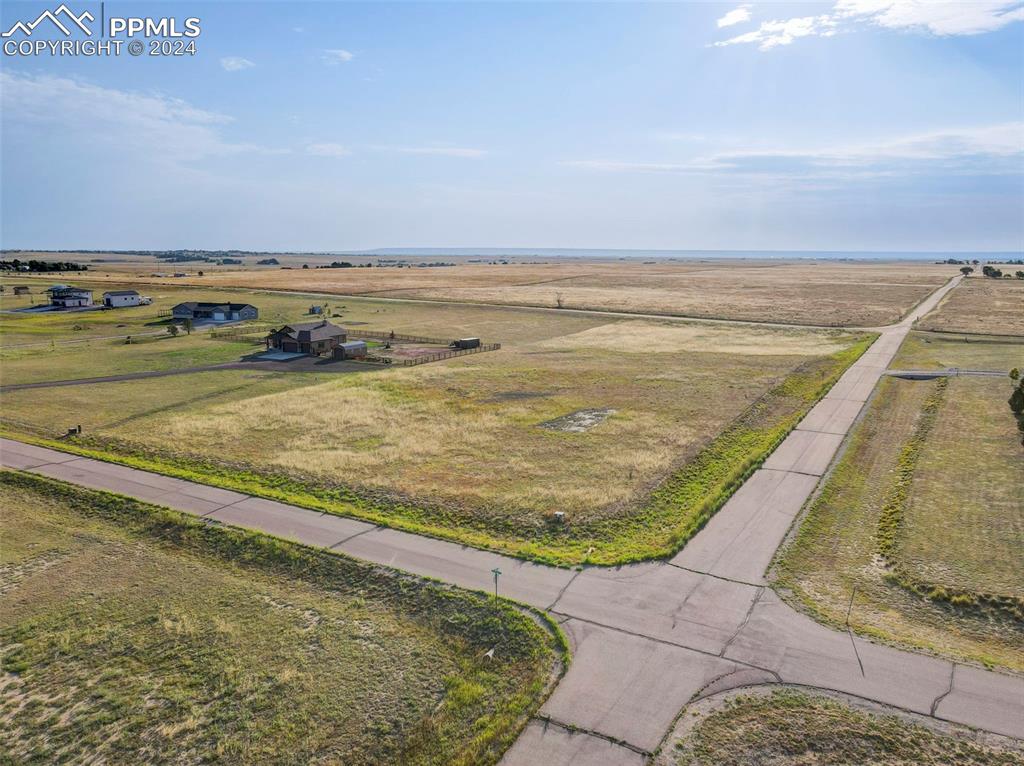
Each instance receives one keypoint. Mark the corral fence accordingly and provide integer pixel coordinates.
(449, 354)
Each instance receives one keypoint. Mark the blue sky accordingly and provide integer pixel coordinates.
(854, 125)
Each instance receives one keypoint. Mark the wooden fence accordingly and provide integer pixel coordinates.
(388, 335)
(449, 354)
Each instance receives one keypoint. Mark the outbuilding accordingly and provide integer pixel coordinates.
(116, 299)
(21, 290)
(466, 343)
(353, 349)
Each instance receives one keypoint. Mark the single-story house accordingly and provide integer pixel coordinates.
(308, 338)
(353, 349)
(218, 312)
(118, 298)
(67, 297)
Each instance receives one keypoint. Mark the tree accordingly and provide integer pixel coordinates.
(1015, 374)
(187, 325)
(173, 330)
(966, 270)
(1020, 275)
(559, 300)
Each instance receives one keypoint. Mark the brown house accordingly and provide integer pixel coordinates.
(307, 338)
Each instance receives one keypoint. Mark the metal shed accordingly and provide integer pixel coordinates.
(353, 349)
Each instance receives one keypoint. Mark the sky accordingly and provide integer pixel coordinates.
(852, 125)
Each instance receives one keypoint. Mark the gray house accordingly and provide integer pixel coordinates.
(215, 312)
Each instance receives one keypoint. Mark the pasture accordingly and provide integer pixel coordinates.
(919, 524)
(136, 634)
(981, 305)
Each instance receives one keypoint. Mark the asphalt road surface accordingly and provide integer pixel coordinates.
(647, 638)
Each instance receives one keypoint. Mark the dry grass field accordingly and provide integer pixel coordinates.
(793, 727)
(931, 350)
(133, 634)
(922, 520)
(981, 305)
(794, 292)
(474, 443)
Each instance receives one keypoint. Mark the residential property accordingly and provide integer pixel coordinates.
(67, 297)
(215, 312)
(116, 299)
(308, 338)
(353, 349)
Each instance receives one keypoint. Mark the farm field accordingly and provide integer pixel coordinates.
(136, 634)
(791, 292)
(981, 305)
(787, 727)
(484, 448)
(920, 523)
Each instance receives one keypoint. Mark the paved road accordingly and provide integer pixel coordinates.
(647, 638)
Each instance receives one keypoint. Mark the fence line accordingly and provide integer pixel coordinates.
(449, 354)
(388, 335)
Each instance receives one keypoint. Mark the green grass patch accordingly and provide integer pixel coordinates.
(794, 728)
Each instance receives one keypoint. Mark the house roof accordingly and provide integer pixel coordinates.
(307, 332)
(353, 344)
(200, 305)
(67, 289)
(121, 292)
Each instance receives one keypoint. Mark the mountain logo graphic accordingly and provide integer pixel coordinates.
(54, 16)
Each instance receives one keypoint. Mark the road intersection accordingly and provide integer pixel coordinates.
(646, 638)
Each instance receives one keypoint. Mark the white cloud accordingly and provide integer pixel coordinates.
(328, 150)
(151, 126)
(735, 16)
(774, 33)
(235, 63)
(937, 17)
(338, 56)
(982, 149)
(444, 151)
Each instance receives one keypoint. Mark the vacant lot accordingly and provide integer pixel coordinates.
(932, 350)
(921, 524)
(981, 305)
(472, 447)
(787, 727)
(133, 634)
(800, 292)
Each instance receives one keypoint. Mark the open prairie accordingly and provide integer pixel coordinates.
(921, 523)
(133, 634)
(827, 293)
(981, 305)
(794, 727)
(634, 429)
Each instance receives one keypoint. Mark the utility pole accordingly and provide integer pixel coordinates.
(496, 572)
